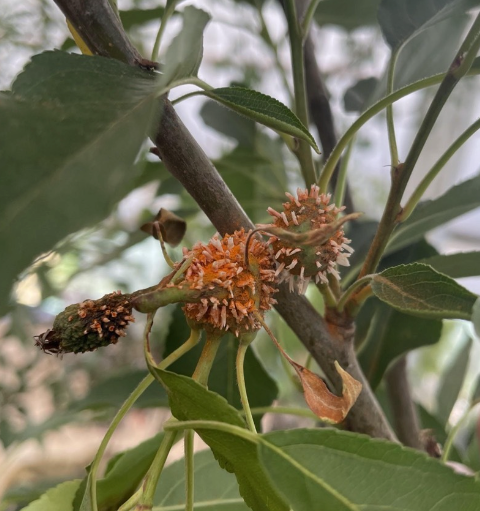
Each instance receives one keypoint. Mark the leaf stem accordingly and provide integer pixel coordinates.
(434, 171)
(169, 10)
(453, 432)
(207, 357)
(242, 349)
(150, 481)
(341, 185)
(376, 108)
(189, 470)
(92, 475)
(286, 410)
(303, 152)
(351, 290)
(214, 426)
(307, 19)
(402, 172)
(265, 35)
(392, 140)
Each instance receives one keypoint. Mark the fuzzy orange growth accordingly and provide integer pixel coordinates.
(307, 212)
(231, 290)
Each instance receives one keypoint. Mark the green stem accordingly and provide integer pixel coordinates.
(265, 35)
(189, 470)
(392, 140)
(453, 432)
(434, 171)
(336, 154)
(351, 290)
(207, 357)
(92, 475)
(307, 19)
(341, 186)
(242, 349)
(214, 426)
(190, 343)
(169, 10)
(401, 173)
(145, 502)
(284, 410)
(303, 151)
(190, 80)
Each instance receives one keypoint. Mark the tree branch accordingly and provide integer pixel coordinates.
(185, 159)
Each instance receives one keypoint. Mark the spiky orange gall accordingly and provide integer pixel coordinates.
(232, 289)
(307, 212)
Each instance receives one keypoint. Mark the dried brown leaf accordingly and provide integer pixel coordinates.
(327, 406)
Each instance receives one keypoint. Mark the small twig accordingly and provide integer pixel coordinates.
(404, 412)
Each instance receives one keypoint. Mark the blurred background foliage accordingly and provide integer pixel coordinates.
(244, 44)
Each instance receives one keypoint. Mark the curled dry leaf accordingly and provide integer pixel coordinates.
(327, 406)
(171, 227)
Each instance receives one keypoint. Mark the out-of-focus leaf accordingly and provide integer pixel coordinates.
(254, 178)
(347, 14)
(261, 388)
(392, 335)
(476, 316)
(59, 498)
(114, 390)
(262, 109)
(462, 264)
(357, 97)
(348, 472)
(229, 123)
(420, 290)
(184, 55)
(430, 214)
(191, 401)
(452, 382)
(401, 20)
(86, 118)
(126, 473)
(214, 488)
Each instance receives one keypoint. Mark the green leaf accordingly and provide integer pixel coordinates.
(452, 382)
(214, 488)
(401, 20)
(347, 14)
(348, 472)
(262, 109)
(184, 55)
(69, 135)
(59, 498)
(420, 290)
(261, 388)
(393, 334)
(430, 214)
(190, 401)
(463, 264)
(125, 474)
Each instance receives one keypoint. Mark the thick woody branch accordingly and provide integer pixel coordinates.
(185, 159)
